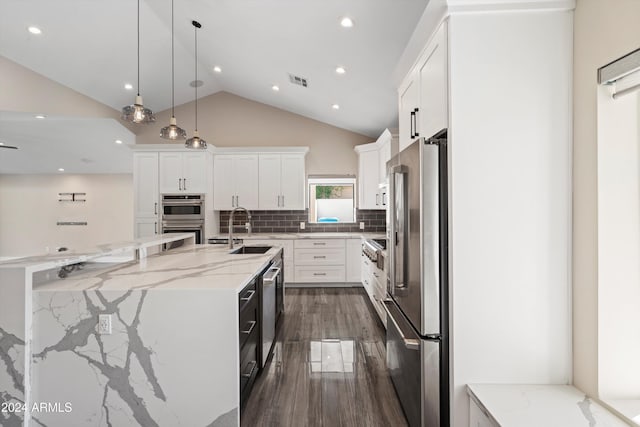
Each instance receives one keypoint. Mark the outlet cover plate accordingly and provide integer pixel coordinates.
(362, 226)
(104, 324)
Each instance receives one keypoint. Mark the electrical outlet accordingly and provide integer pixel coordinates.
(104, 324)
(362, 226)
(302, 225)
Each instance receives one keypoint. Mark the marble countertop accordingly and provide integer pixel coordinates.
(337, 235)
(193, 267)
(60, 259)
(541, 405)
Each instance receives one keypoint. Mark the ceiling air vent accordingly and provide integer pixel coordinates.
(297, 80)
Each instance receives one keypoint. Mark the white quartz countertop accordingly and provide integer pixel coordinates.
(284, 236)
(204, 267)
(522, 405)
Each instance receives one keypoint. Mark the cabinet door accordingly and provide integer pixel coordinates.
(408, 102)
(354, 251)
(145, 184)
(245, 177)
(170, 173)
(292, 182)
(194, 172)
(223, 183)
(368, 168)
(145, 227)
(433, 115)
(384, 157)
(269, 178)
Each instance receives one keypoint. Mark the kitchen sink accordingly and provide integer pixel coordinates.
(244, 250)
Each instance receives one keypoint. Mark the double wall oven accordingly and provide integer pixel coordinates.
(183, 213)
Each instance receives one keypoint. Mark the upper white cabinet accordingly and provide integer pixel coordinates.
(433, 110)
(235, 181)
(270, 178)
(372, 171)
(422, 97)
(281, 181)
(145, 184)
(409, 98)
(183, 172)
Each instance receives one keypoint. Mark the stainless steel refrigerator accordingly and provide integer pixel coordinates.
(417, 290)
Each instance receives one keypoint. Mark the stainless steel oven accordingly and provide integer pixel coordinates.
(183, 213)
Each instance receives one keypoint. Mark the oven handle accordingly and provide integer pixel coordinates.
(181, 202)
(180, 227)
(409, 343)
(274, 273)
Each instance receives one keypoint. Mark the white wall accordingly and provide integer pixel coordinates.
(29, 210)
(604, 31)
(618, 246)
(339, 208)
(510, 189)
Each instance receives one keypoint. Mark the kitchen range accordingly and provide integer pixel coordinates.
(417, 303)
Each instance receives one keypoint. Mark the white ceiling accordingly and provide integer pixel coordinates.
(78, 145)
(89, 46)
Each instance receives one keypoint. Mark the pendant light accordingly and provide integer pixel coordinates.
(172, 131)
(196, 141)
(137, 113)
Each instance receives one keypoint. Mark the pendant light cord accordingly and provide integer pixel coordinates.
(172, 66)
(138, 47)
(195, 28)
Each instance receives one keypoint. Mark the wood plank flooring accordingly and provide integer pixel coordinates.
(328, 367)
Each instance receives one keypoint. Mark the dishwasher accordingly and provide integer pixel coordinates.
(269, 284)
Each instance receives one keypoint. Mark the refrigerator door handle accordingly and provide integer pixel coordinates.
(409, 343)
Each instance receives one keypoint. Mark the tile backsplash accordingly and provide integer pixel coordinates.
(289, 222)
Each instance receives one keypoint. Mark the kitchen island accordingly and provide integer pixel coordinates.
(152, 341)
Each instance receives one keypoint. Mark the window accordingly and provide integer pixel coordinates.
(332, 200)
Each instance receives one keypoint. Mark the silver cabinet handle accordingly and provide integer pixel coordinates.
(274, 273)
(180, 184)
(248, 331)
(409, 343)
(184, 184)
(248, 296)
(319, 274)
(232, 202)
(319, 243)
(377, 199)
(155, 208)
(155, 227)
(283, 200)
(319, 257)
(253, 365)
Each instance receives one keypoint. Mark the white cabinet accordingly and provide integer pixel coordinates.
(433, 115)
(183, 172)
(384, 155)
(354, 253)
(145, 189)
(319, 261)
(281, 181)
(235, 181)
(368, 180)
(423, 96)
(409, 98)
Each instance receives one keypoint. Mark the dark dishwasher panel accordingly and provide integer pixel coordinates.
(248, 338)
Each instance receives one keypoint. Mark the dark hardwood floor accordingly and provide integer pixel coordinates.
(328, 367)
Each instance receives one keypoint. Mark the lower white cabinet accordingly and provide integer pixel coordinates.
(374, 282)
(354, 253)
(145, 227)
(478, 417)
(320, 261)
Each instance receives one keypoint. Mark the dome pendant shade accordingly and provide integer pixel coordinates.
(137, 113)
(195, 142)
(172, 131)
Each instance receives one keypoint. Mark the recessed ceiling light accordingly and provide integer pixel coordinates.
(34, 30)
(40, 116)
(335, 106)
(346, 22)
(128, 86)
(340, 70)
(60, 169)
(275, 88)
(1, 143)
(118, 141)
(217, 69)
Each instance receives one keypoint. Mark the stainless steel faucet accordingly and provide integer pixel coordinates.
(231, 224)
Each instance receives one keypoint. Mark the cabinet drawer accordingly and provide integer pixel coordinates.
(248, 321)
(319, 243)
(247, 296)
(321, 274)
(331, 256)
(249, 366)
